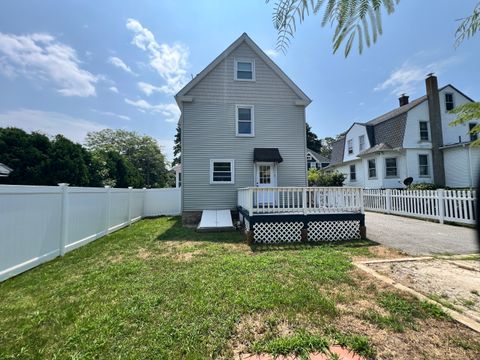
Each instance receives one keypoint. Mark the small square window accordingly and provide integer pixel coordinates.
(449, 104)
(372, 168)
(221, 172)
(245, 120)
(391, 167)
(244, 70)
(353, 173)
(424, 136)
(423, 167)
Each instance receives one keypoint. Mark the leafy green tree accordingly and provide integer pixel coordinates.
(469, 26)
(322, 178)
(326, 149)
(468, 112)
(26, 154)
(68, 162)
(116, 171)
(313, 142)
(177, 146)
(141, 151)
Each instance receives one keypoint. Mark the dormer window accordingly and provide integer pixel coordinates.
(350, 146)
(449, 104)
(244, 70)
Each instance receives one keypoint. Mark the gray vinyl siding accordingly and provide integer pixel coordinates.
(209, 132)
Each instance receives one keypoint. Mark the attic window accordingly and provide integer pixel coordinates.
(449, 104)
(244, 70)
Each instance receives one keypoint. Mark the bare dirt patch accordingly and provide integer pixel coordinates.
(380, 252)
(181, 250)
(452, 283)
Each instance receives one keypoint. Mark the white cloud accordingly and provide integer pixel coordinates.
(109, 113)
(49, 123)
(117, 62)
(410, 76)
(271, 52)
(149, 89)
(42, 57)
(113, 89)
(170, 61)
(167, 148)
(171, 112)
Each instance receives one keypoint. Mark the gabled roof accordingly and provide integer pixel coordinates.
(244, 38)
(318, 157)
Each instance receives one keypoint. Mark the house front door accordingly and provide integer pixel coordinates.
(266, 177)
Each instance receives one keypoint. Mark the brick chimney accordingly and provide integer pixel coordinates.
(403, 100)
(435, 129)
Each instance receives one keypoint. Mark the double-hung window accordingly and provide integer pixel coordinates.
(245, 125)
(350, 146)
(221, 171)
(353, 173)
(473, 136)
(361, 142)
(423, 127)
(449, 103)
(244, 69)
(372, 168)
(423, 167)
(391, 167)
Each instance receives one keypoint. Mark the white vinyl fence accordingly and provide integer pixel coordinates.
(39, 223)
(442, 205)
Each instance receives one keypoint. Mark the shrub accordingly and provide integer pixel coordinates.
(423, 186)
(322, 178)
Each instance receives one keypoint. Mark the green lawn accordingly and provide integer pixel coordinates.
(157, 290)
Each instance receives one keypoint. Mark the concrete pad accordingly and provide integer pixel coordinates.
(419, 237)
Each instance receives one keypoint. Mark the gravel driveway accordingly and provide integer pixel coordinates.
(419, 237)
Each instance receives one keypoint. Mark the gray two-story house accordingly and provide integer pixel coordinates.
(243, 125)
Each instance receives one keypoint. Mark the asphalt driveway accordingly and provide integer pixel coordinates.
(419, 237)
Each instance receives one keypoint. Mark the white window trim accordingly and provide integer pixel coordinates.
(252, 112)
(376, 169)
(445, 99)
(396, 167)
(350, 172)
(360, 143)
(350, 141)
(236, 61)
(428, 131)
(232, 167)
(428, 166)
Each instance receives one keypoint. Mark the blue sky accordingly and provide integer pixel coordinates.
(71, 67)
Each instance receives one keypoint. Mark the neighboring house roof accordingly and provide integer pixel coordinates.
(245, 38)
(5, 170)
(376, 148)
(318, 157)
(338, 147)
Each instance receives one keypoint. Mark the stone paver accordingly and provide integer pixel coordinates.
(419, 237)
(343, 354)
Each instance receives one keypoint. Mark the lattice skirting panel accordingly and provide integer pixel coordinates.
(333, 230)
(277, 232)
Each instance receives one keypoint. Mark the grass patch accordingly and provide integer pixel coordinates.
(300, 344)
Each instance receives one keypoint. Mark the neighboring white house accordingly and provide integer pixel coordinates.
(4, 170)
(415, 140)
(243, 124)
(178, 175)
(316, 161)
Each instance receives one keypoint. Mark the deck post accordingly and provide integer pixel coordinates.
(304, 200)
(250, 194)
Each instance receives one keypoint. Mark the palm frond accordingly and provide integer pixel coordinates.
(358, 20)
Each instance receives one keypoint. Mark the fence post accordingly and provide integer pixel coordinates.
(388, 200)
(441, 205)
(108, 193)
(144, 201)
(64, 221)
(130, 192)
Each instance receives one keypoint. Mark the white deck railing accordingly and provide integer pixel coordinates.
(300, 200)
(442, 205)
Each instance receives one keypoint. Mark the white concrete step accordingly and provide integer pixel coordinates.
(215, 220)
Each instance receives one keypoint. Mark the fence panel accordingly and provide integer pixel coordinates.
(38, 223)
(442, 205)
